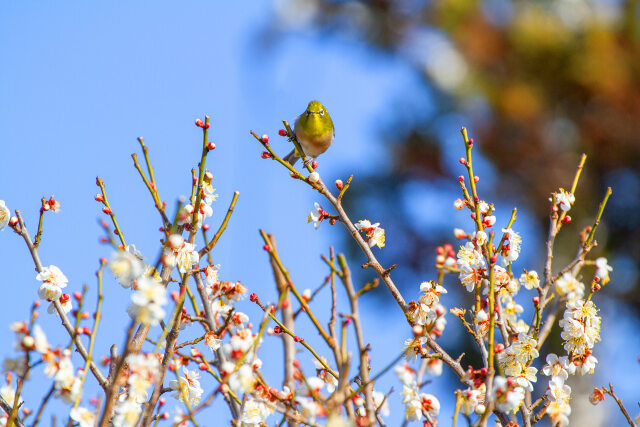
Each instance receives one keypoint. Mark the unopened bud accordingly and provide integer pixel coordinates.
(264, 138)
(175, 295)
(499, 348)
(13, 221)
(566, 219)
(314, 177)
(536, 301)
(282, 132)
(107, 210)
(28, 342)
(99, 198)
(211, 145)
(314, 164)
(266, 155)
(463, 161)
(77, 295)
(418, 330)
(199, 123)
(339, 184)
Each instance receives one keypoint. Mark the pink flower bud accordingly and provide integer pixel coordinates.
(264, 138)
(463, 161)
(175, 295)
(339, 184)
(282, 132)
(99, 198)
(211, 145)
(266, 155)
(476, 178)
(536, 301)
(199, 123)
(107, 210)
(13, 221)
(566, 219)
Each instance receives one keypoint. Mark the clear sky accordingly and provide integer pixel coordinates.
(79, 83)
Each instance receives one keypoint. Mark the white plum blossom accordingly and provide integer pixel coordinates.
(5, 215)
(381, 404)
(405, 374)
(126, 266)
(180, 253)
(255, 413)
(83, 416)
(530, 279)
(602, 270)
(559, 367)
(316, 215)
(9, 394)
(374, 233)
(147, 302)
(212, 341)
(53, 276)
(564, 199)
(558, 390)
(127, 413)
(187, 257)
(187, 388)
(211, 275)
(511, 246)
(506, 395)
(470, 400)
(242, 380)
(567, 285)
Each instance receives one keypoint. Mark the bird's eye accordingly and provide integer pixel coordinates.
(321, 113)
(308, 112)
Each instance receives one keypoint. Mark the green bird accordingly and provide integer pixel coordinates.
(314, 130)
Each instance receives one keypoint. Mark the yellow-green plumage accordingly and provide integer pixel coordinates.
(314, 130)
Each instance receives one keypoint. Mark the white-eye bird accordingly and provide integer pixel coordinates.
(314, 130)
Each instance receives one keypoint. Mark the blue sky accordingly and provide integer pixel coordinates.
(79, 83)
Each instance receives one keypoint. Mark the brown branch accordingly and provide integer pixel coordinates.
(63, 316)
(611, 393)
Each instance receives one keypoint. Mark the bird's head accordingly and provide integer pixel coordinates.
(316, 119)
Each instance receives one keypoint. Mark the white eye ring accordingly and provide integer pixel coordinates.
(321, 113)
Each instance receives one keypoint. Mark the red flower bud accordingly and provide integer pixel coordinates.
(266, 247)
(99, 198)
(199, 123)
(461, 178)
(282, 132)
(77, 295)
(211, 146)
(107, 210)
(162, 401)
(266, 155)
(277, 330)
(64, 298)
(476, 178)
(494, 259)
(253, 297)
(175, 295)
(314, 164)
(264, 138)
(536, 301)
(566, 219)
(463, 161)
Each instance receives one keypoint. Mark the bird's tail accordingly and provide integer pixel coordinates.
(292, 157)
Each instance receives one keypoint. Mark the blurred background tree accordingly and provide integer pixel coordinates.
(538, 83)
